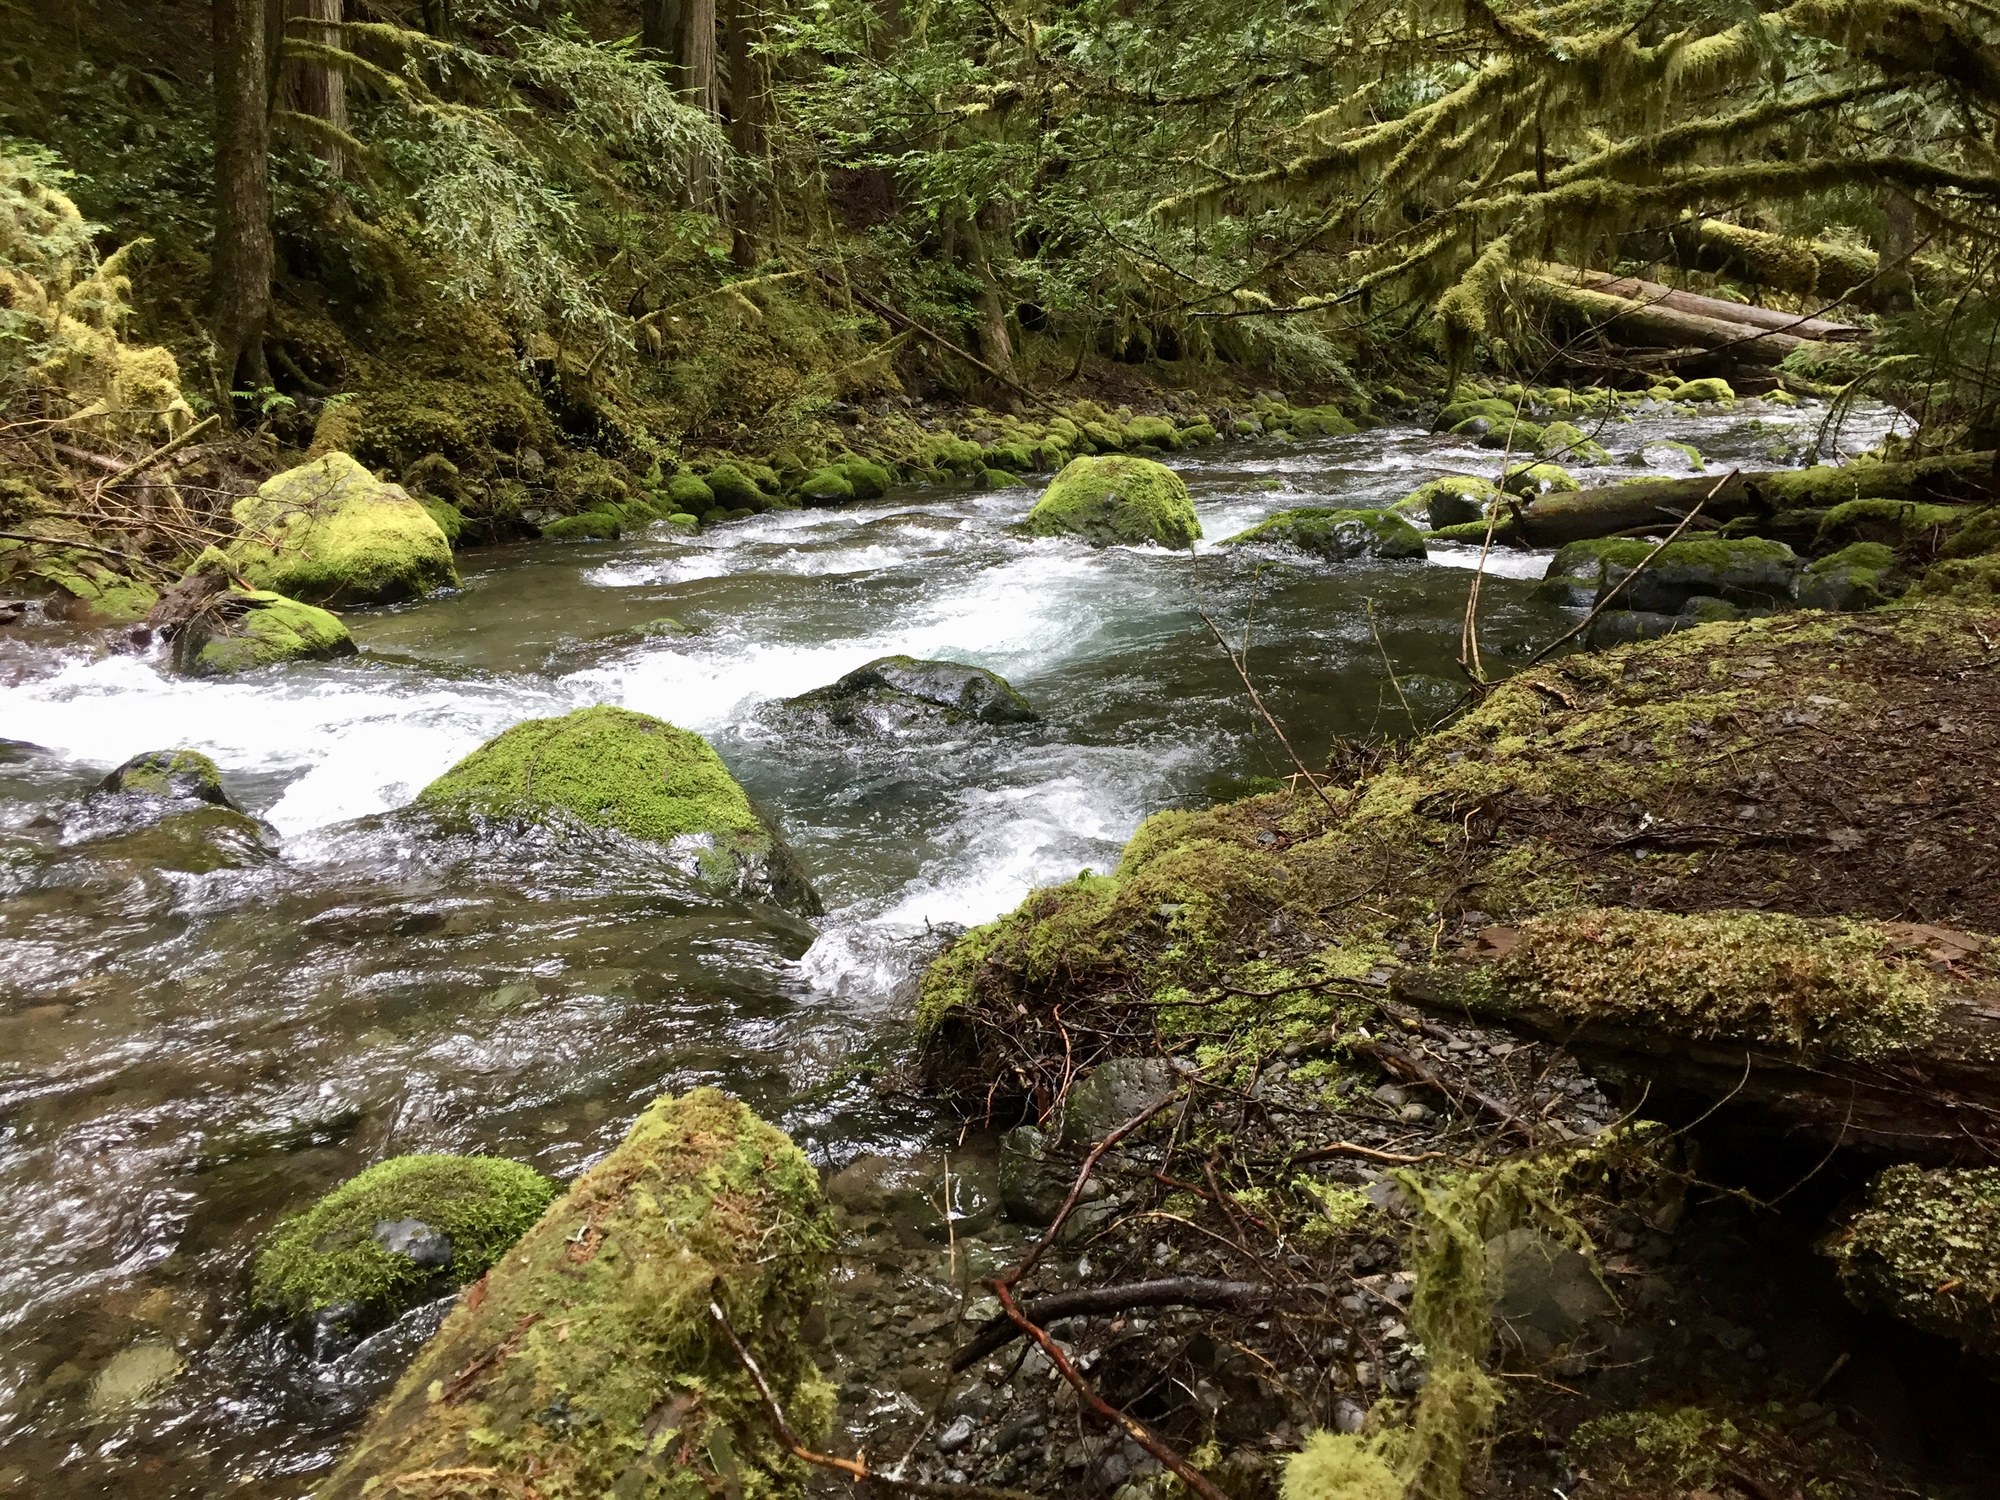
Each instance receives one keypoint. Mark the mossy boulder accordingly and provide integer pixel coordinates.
(1017, 457)
(895, 692)
(1000, 479)
(168, 810)
(1485, 409)
(1117, 500)
(589, 526)
(1895, 523)
(1751, 572)
(1965, 580)
(613, 768)
(1454, 500)
(1525, 481)
(1570, 443)
(1322, 421)
(1198, 435)
(951, 454)
(735, 490)
(1926, 1247)
(690, 494)
(99, 591)
(1155, 434)
(1336, 535)
(186, 775)
(589, 1362)
(400, 1233)
(330, 532)
(826, 486)
(1103, 437)
(1665, 453)
(868, 479)
(1514, 435)
(1712, 389)
(239, 630)
(1855, 577)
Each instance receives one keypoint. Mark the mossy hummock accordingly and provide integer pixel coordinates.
(243, 629)
(613, 768)
(399, 1233)
(330, 532)
(1926, 1246)
(588, 1362)
(1117, 500)
(1336, 535)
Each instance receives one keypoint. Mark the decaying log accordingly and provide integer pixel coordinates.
(1607, 510)
(1641, 318)
(1883, 1035)
(1770, 320)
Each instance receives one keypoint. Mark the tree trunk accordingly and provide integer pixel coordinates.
(994, 341)
(1896, 290)
(662, 28)
(1553, 520)
(698, 83)
(241, 262)
(1663, 322)
(438, 17)
(749, 119)
(316, 90)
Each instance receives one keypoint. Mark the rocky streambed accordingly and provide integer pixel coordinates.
(196, 1046)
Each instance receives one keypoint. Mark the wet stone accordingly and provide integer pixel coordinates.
(416, 1239)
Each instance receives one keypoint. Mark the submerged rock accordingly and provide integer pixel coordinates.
(590, 1362)
(133, 1375)
(330, 532)
(894, 692)
(185, 775)
(398, 1234)
(613, 768)
(167, 809)
(1114, 500)
(1337, 535)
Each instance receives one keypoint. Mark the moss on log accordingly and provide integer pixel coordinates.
(587, 1363)
(1926, 1247)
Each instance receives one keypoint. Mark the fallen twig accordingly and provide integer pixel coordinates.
(1257, 701)
(1410, 1070)
(1173, 1291)
(1354, 1148)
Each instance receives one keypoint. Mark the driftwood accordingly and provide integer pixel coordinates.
(1609, 510)
(1932, 1095)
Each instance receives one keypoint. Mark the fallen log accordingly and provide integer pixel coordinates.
(1884, 1035)
(588, 1361)
(1553, 520)
(1658, 325)
(1805, 268)
(1654, 294)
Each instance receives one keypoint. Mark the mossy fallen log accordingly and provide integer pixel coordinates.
(1555, 519)
(1657, 324)
(587, 1361)
(1868, 1033)
(1769, 319)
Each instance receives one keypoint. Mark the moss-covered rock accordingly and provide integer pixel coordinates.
(1336, 535)
(1965, 580)
(826, 486)
(613, 768)
(98, 591)
(868, 479)
(1712, 389)
(1895, 523)
(239, 630)
(1571, 444)
(588, 1362)
(330, 532)
(1749, 572)
(1669, 454)
(1115, 500)
(401, 1232)
(1485, 409)
(1198, 434)
(590, 526)
(1016, 457)
(1529, 480)
(735, 490)
(1926, 1247)
(1454, 500)
(948, 453)
(893, 692)
(1322, 421)
(1151, 434)
(690, 494)
(179, 774)
(1855, 577)
(999, 479)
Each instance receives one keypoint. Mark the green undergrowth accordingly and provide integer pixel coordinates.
(330, 1254)
(588, 1361)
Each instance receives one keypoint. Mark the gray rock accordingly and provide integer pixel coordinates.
(1114, 1092)
(956, 1436)
(895, 692)
(1544, 1294)
(416, 1239)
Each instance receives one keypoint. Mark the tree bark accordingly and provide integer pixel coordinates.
(662, 28)
(749, 120)
(241, 262)
(317, 90)
(1665, 321)
(699, 84)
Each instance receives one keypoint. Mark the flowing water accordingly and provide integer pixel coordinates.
(184, 1057)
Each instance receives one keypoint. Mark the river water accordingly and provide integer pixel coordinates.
(184, 1057)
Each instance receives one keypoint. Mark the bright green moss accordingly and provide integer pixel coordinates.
(1848, 988)
(1339, 1466)
(1926, 1246)
(735, 490)
(867, 479)
(331, 1254)
(1529, 480)
(1893, 522)
(589, 526)
(827, 486)
(169, 774)
(1322, 421)
(1336, 535)
(690, 494)
(589, 1363)
(1714, 388)
(1566, 441)
(330, 532)
(1115, 500)
(608, 766)
(267, 629)
(1962, 580)
(1155, 433)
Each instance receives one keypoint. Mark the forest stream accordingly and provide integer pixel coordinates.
(184, 1057)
